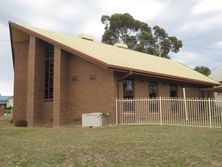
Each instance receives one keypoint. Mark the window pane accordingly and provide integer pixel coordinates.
(153, 87)
(173, 90)
(49, 60)
(128, 89)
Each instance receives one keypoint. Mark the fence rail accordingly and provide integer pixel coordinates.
(169, 111)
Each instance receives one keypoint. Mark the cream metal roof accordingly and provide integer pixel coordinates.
(125, 58)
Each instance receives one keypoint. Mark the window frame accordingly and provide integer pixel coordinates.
(175, 86)
(129, 106)
(133, 89)
(151, 85)
(49, 72)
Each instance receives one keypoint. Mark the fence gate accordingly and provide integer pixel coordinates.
(169, 111)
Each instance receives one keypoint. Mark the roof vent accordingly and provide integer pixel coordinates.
(86, 37)
(120, 45)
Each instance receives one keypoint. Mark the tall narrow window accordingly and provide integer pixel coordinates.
(153, 89)
(173, 94)
(153, 93)
(128, 93)
(173, 90)
(49, 65)
(128, 89)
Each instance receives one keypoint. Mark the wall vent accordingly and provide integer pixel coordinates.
(74, 78)
(86, 37)
(120, 45)
(92, 77)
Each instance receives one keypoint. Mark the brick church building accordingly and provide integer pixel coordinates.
(59, 77)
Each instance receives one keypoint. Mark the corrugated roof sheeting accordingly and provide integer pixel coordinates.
(113, 56)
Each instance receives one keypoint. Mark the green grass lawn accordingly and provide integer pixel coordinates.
(110, 146)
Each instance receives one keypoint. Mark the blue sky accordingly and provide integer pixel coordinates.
(197, 23)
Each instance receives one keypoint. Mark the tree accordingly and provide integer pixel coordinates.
(203, 70)
(123, 28)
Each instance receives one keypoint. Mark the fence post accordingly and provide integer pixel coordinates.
(209, 111)
(116, 111)
(161, 120)
(185, 103)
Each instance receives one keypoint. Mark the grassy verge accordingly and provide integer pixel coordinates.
(110, 146)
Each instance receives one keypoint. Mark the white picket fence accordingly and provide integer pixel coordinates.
(169, 111)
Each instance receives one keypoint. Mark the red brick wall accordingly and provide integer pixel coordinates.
(20, 80)
(91, 89)
(39, 82)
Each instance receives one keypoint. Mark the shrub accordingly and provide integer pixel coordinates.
(8, 110)
(21, 123)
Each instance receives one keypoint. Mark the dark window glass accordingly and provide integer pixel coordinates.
(173, 90)
(128, 89)
(153, 93)
(128, 93)
(173, 94)
(153, 89)
(49, 64)
(201, 94)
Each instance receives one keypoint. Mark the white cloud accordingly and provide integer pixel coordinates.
(93, 27)
(191, 59)
(207, 6)
(40, 5)
(202, 25)
(142, 10)
(6, 87)
(68, 11)
(45, 23)
(219, 44)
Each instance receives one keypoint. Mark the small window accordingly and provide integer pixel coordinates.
(128, 93)
(153, 89)
(201, 94)
(173, 94)
(173, 90)
(92, 77)
(128, 89)
(153, 93)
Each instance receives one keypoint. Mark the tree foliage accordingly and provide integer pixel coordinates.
(203, 70)
(139, 36)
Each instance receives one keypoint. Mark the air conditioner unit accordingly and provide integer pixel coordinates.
(92, 119)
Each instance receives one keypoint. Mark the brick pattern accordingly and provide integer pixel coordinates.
(64, 86)
(31, 83)
(60, 87)
(141, 88)
(20, 80)
(43, 112)
(35, 82)
(87, 95)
